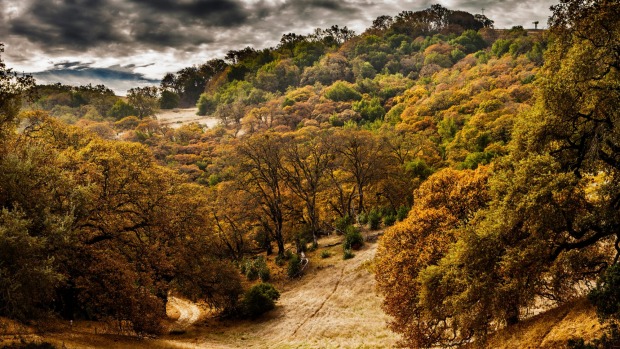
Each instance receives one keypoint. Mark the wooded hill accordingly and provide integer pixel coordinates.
(493, 153)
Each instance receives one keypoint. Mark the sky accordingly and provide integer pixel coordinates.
(128, 43)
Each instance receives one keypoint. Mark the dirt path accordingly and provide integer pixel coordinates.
(334, 305)
(176, 117)
(189, 313)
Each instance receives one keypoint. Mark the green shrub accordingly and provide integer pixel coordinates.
(353, 239)
(294, 266)
(606, 299)
(389, 220)
(168, 100)
(325, 254)
(362, 218)
(280, 260)
(255, 268)
(259, 299)
(313, 246)
(342, 223)
(374, 220)
(402, 213)
(347, 254)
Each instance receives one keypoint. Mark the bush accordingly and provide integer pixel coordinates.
(347, 254)
(402, 213)
(294, 266)
(259, 299)
(374, 220)
(168, 100)
(205, 105)
(255, 268)
(389, 220)
(353, 239)
(325, 254)
(342, 223)
(313, 246)
(362, 218)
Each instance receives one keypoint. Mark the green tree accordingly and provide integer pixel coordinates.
(168, 100)
(143, 100)
(122, 109)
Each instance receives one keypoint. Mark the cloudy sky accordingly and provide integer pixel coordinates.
(125, 43)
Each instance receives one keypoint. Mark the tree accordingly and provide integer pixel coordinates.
(550, 221)
(168, 100)
(143, 100)
(307, 156)
(411, 248)
(361, 156)
(260, 167)
(121, 109)
(12, 89)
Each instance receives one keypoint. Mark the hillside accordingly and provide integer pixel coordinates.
(334, 305)
(489, 159)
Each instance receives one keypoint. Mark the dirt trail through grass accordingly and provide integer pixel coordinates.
(333, 305)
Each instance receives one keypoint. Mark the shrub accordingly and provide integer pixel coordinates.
(389, 220)
(259, 299)
(347, 254)
(402, 213)
(606, 299)
(362, 218)
(280, 261)
(294, 266)
(325, 254)
(255, 268)
(168, 100)
(353, 239)
(313, 246)
(342, 223)
(374, 219)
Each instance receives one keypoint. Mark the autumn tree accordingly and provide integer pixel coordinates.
(361, 156)
(307, 157)
(409, 249)
(260, 168)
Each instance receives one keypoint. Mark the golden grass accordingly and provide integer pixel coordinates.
(551, 329)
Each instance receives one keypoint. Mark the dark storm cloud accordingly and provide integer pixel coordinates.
(331, 5)
(77, 24)
(221, 13)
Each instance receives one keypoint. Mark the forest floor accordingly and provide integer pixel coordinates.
(174, 118)
(333, 305)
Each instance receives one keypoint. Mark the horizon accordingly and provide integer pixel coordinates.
(128, 44)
